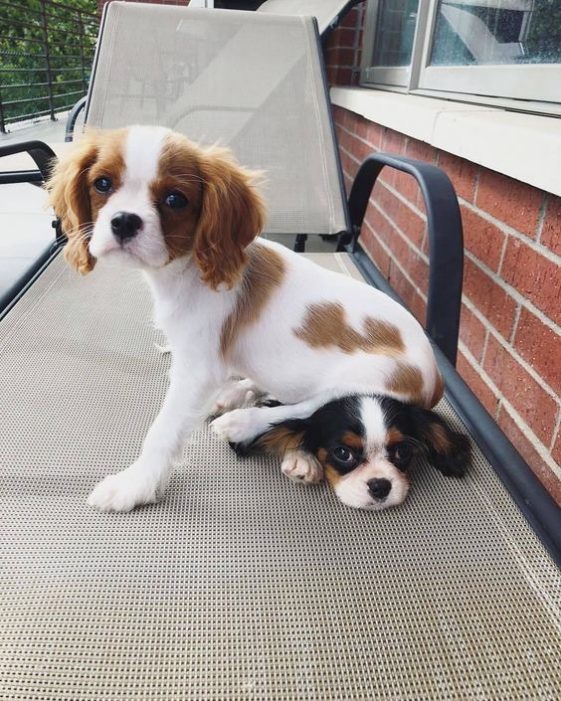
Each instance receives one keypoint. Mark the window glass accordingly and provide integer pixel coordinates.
(480, 32)
(395, 31)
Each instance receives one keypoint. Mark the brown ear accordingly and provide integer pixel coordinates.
(232, 215)
(69, 197)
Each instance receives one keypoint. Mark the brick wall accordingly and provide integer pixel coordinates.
(510, 349)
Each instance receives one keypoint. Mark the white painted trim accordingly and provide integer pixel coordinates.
(523, 146)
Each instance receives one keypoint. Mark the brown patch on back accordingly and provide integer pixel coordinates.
(325, 325)
(263, 274)
(407, 380)
(438, 390)
(279, 440)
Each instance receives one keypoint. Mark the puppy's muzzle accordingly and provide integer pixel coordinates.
(125, 225)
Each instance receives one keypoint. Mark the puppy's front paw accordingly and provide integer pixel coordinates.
(123, 491)
(301, 467)
(238, 426)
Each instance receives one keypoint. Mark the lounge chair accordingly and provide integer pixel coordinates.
(240, 584)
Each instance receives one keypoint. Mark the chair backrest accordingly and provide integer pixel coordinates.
(250, 81)
(326, 12)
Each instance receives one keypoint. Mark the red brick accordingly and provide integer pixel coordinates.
(511, 201)
(421, 151)
(339, 56)
(540, 346)
(342, 36)
(477, 385)
(551, 232)
(462, 173)
(409, 259)
(491, 300)
(393, 141)
(550, 481)
(341, 76)
(534, 276)
(408, 293)
(472, 333)
(482, 238)
(378, 224)
(407, 186)
(373, 247)
(410, 223)
(374, 134)
(537, 408)
(556, 450)
(351, 19)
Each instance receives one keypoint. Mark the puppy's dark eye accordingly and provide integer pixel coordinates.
(103, 185)
(175, 200)
(344, 457)
(401, 454)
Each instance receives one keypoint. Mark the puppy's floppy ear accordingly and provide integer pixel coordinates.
(446, 449)
(69, 197)
(288, 435)
(232, 215)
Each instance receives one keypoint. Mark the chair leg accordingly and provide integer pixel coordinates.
(300, 243)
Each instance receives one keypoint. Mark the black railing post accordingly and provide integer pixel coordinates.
(82, 62)
(2, 122)
(48, 61)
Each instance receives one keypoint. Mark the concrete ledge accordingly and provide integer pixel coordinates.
(523, 146)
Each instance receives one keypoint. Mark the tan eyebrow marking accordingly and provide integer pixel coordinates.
(394, 435)
(325, 325)
(407, 380)
(263, 273)
(352, 440)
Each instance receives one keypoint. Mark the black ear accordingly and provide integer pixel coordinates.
(446, 449)
(287, 435)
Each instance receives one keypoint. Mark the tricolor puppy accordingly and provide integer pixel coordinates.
(365, 446)
(229, 305)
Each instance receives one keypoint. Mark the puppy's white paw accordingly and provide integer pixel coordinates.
(301, 467)
(238, 426)
(123, 491)
(235, 395)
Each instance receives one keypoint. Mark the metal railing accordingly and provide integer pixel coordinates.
(46, 54)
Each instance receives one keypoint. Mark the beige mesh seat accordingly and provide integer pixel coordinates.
(240, 584)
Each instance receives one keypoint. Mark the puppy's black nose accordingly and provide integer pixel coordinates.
(125, 225)
(379, 488)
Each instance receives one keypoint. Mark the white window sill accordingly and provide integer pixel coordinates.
(523, 146)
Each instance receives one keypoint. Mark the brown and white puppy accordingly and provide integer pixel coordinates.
(230, 306)
(364, 446)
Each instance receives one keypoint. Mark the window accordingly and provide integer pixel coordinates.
(486, 48)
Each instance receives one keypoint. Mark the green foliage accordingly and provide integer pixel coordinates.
(36, 34)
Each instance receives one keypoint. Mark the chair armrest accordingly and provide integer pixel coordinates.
(42, 155)
(72, 117)
(446, 247)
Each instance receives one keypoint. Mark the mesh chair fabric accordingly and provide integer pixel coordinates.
(249, 81)
(240, 584)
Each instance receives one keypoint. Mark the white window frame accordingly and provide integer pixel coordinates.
(537, 84)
